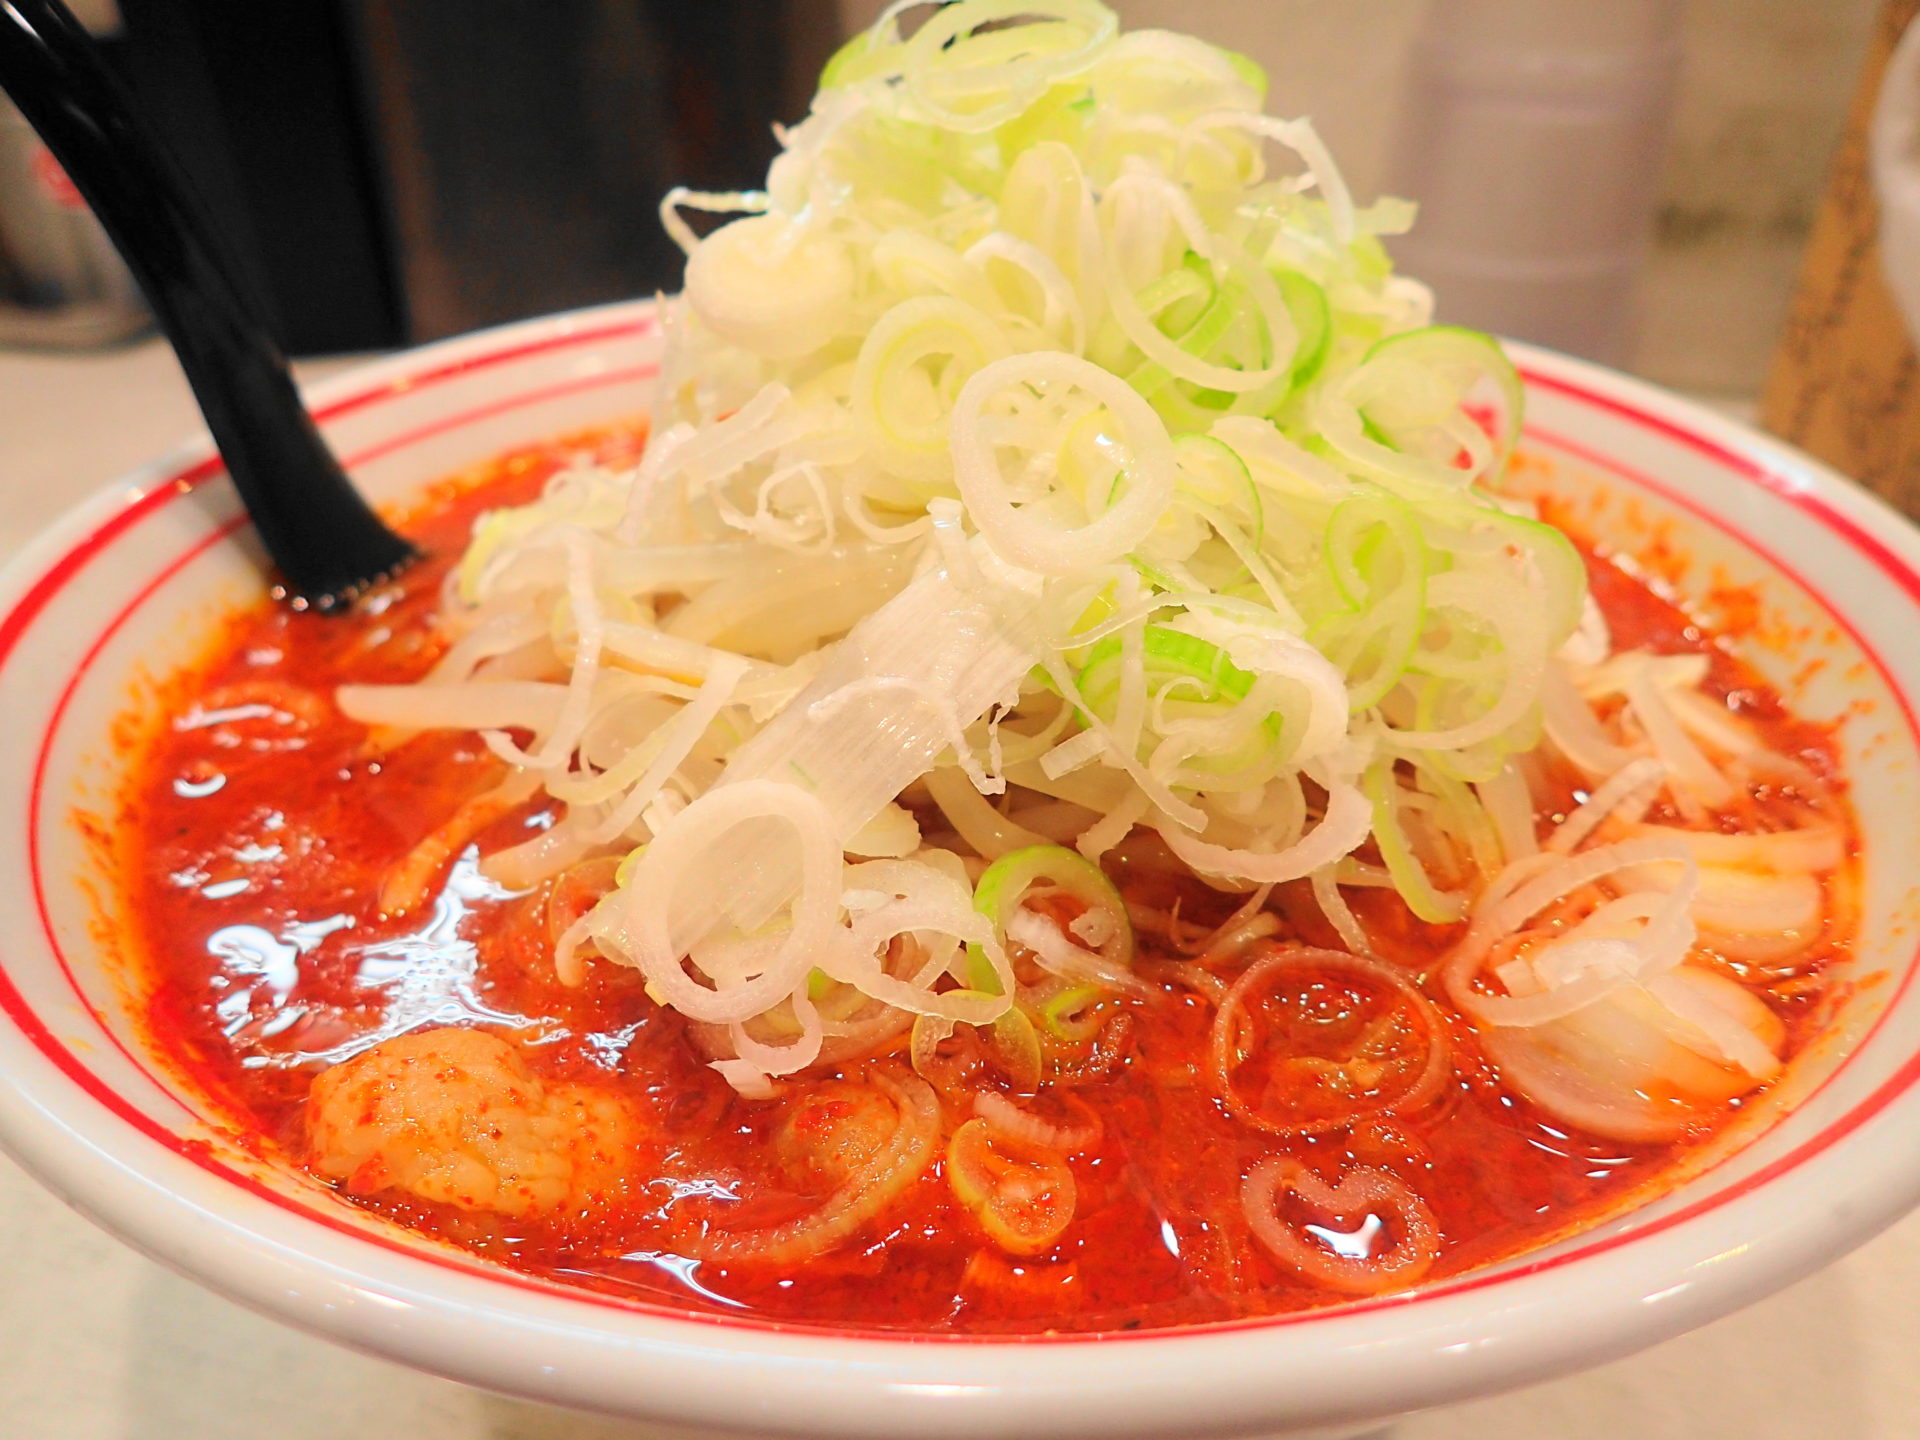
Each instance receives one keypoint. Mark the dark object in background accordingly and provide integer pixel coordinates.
(325, 538)
(398, 170)
(260, 103)
(526, 143)
(62, 287)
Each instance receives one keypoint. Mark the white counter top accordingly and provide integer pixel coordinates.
(97, 1343)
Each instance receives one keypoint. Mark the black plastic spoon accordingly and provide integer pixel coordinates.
(325, 538)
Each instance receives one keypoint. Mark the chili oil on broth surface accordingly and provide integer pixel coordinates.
(304, 893)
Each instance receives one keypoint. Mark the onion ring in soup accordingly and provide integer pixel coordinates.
(1339, 1058)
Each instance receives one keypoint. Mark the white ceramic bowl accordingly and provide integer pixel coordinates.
(131, 583)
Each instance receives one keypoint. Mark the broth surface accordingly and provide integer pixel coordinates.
(262, 825)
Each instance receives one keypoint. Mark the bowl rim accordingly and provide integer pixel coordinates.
(334, 1284)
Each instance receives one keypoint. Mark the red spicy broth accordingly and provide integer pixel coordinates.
(261, 827)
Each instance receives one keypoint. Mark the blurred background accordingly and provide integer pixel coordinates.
(1634, 180)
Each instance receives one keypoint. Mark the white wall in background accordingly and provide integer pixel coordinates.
(1763, 90)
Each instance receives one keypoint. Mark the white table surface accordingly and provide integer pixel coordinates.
(97, 1343)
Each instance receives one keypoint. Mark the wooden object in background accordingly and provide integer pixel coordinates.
(1846, 382)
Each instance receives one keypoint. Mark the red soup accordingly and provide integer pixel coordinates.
(1255, 1118)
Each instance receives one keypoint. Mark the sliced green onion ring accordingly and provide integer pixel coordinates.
(1102, 920)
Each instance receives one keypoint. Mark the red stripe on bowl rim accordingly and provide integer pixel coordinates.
(413, 381)
(14, 625)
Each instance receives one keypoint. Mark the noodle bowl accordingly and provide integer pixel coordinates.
(1076, 681)
(1041, 1060)
(313, 1260)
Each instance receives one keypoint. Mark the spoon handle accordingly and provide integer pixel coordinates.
(324, 537)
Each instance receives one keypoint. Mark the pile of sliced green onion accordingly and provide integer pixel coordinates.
(1054, 426)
